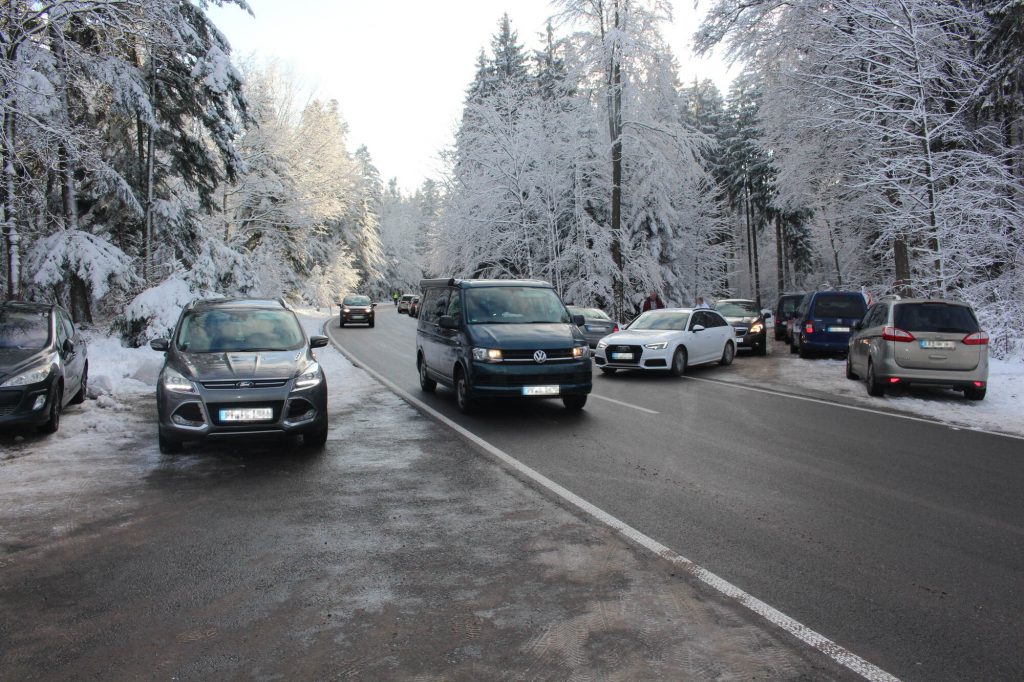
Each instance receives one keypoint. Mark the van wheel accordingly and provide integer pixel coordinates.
(727, 354)
(875, 387)
(427, 385)
(678, 368)
(464, 401)
(973, 393)
(574, 402)
(850, 374)
(53, 423)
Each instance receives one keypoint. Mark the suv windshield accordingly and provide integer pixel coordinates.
(357, 300)
(737, 308)
(514, 305)
(23, 329)
(934, 317)
(589, 313)
(673, 321)
(217, 331)
(831, 305)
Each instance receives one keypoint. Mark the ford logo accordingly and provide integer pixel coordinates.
(245, 384)
(540, 357)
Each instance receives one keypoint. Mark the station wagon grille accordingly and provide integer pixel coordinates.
(235, 384)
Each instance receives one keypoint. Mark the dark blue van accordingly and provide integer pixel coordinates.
(825, 320)
(500, 339)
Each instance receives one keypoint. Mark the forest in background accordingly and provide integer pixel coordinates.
(865, 144)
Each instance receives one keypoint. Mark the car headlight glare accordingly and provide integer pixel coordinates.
(345, 309)
(580, 352)
(757, 328)
(487, 355)
(35, 375)
(660, 345)
(309, 377)
(177, 382)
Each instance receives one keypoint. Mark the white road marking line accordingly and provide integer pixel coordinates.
(924, 420)
(840, 655)
(619, 402)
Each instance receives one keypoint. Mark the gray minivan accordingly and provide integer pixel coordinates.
(498, 339)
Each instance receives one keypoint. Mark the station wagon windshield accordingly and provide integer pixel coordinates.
(218, 331)
(514, 305)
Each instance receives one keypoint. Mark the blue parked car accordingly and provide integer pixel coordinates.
(825, 320)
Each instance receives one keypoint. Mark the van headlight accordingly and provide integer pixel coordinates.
(580, 352)
(35, 375)
(177, 382)
(660, 345)
(310, 376)
(487, 355)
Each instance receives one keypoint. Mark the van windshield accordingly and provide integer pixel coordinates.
(514, 305)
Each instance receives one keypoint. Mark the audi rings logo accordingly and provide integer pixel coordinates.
(245, 384)
(540, 357)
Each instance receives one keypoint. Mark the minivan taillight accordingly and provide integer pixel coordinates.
(808, 328)
(976, 339)
(890, 333)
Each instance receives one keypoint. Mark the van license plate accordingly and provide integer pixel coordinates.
(540, 390)
(948, 345)
(622, 356)
(839, 329)
(248, 414)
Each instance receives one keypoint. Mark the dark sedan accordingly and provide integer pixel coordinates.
(358, 309)
(43, 365)
(596, 323)
(750, 325)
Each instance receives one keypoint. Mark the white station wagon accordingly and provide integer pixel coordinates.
(668, 339)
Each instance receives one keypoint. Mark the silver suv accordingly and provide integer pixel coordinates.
(918, 341)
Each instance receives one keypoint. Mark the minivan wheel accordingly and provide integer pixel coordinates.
(972, 393)
(678, 368)
(53, 422)
(875, 387)
(465, 403)
(427, 385)
(168, 446)
(850, 374)
(804, 353)
(792, 346)
(727, 354)
(574, 402)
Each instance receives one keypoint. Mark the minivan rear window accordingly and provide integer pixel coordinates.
(838, 305)
(935, 317)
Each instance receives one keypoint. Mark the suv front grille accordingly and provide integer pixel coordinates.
(249, 383)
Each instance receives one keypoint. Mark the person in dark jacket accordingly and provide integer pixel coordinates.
(652, 302)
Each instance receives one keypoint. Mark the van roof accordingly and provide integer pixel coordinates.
(473, 283)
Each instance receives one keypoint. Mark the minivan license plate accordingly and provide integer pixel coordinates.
(540, 390)
(839, 329)
(948, 345)
(247, 414)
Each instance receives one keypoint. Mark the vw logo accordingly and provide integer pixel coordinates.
(245, 384)
(540, 357)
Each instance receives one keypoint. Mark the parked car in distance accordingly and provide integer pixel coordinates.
(824, 321)
(748, 321)
(356, 308)
(669, 339)
(501, 339)
(44, 365)
(785, 310)
(237, 367)
(596, 323)
(404, 302)
(414, 307)
(919, 341)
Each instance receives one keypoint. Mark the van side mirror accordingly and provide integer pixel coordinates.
(578, 320)
(160, 344)
(317, 341)
(447, 322)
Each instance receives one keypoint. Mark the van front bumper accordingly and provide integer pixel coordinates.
(499, 380)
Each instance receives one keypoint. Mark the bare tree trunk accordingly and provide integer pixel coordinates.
(750, 245)
(901, 262)
(615, 132)
(780, 259)
(10, 215)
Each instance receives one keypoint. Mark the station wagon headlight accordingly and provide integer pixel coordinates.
(35, 375)
(603, 343)
(580, 352)
(309, 377)
(487, 355)
(177, 382)
(660, 345)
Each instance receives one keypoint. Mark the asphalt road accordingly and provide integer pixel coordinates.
(900, 540)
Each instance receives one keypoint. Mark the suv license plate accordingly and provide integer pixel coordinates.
(622, 356)
(948, 345)
(540, 390)
(839, 329)
(248, 414)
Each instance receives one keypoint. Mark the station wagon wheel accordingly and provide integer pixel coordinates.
(426, 383)
(875, 387)
(462, 398)
(53, 422)
(728, 353)
(678, 362)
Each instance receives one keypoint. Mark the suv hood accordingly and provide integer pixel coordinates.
(241, 365)
(525, 336)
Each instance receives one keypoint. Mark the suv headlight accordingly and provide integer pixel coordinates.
(177, 382)
(580, 352)
(345, 309)
(35, 375)
(660, 345)
(487, 355)
(309, 377)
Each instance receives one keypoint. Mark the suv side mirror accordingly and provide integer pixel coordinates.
(317, 341)
(160, 344)
(447, 322)
(578, 320)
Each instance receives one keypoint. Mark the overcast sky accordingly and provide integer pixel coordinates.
(399, 69)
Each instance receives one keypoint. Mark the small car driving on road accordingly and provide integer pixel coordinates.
(750, 325)
(500, 339)
(237, 367)
(596, 323)
(919, 341)
(358, 309)
(44, 365)
(669, 339)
